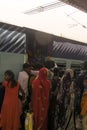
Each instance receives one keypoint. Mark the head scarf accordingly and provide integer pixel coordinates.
(43, 74)
(40, 99)
(70, 71)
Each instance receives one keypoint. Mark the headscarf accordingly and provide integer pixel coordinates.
(43, 74)
(70, 72)
(40, 100)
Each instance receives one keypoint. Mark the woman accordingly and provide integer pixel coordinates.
(55, 82)
(11, 110)
(64, 116)
(40, 99)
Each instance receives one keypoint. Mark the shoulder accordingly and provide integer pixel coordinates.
(4, 84)
(49, 82)
(35, 81)
(35, 84)
(23, 74)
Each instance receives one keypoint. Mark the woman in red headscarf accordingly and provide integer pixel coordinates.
(40, 99)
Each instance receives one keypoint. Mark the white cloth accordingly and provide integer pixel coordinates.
(23, 80)
(35, 72)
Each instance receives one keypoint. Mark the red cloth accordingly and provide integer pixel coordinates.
(41, 91)
(10, 113)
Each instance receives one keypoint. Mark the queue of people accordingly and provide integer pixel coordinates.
(55, 102)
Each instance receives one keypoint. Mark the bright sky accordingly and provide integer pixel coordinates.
(63, 21)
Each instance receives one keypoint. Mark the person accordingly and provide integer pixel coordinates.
(40, 99)
(55, 83)
(11, 110)
(49, 63)
(84, 105)
(23, 78)
(80, 86)
(64, 114)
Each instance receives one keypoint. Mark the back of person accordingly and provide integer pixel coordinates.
(84, 104)
(40, 99)
(11, 111)
(13, 92)
(23, 80)
(79, 82)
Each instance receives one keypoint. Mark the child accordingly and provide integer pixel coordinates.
(84, 105)
(11, 110)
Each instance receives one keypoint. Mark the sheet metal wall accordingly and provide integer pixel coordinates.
(12, 38)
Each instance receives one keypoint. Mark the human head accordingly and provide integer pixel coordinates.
(38, 66)
(27, 67)
(70, 72)
(61, 73)
(43, 73)
(85, 81)
(9, 75)
(84, 65)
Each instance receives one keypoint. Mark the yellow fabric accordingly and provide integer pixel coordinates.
(29, 121)
(84, 104)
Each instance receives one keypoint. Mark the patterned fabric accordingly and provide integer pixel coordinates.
(40, 99)
(64, 115)
(53, 98)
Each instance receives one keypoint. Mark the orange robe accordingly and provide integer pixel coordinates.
(10, 113)
(41, 91)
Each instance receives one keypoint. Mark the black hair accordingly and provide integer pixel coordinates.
(26, 65)
(85, 78)
(56, 71)
(11, 78)
(85, 65)
(61, 73)
(49, 64)
(38, 66)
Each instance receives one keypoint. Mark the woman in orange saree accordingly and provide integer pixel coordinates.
(11, 110)
(40, 99)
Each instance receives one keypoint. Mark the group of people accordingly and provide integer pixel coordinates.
(55, 97)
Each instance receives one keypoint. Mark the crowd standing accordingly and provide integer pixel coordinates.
(55, 96)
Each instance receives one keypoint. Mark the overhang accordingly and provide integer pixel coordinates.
(80, 4)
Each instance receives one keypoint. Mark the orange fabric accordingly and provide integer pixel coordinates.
(84, 104)
(41, 90)
(10, 113)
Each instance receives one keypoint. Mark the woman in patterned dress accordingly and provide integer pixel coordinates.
(64, 115)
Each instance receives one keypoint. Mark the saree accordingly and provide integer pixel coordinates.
(40, 99)
(65, 113)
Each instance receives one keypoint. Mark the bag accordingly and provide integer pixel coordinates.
(29, 121)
